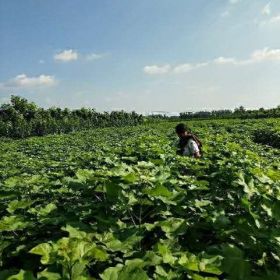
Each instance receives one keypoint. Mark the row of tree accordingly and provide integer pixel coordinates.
(240, 112)
(21, 118)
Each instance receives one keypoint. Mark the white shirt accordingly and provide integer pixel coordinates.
(191, 148)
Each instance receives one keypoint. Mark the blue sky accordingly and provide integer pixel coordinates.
(148, 55)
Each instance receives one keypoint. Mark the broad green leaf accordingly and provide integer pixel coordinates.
(202, 203)
(84, 174)
(15, 204)
(75, 233)
(111, 273)
(211, 264)
(46, 210)
(130, 178)
(233, 258)
(158, 190)
(132, 273)
(162, 274)
(189, 262)
(276, 209)
(98, 253)
(112, 190)
(166, 254)
(171, 225)
(199, 277)
(111, 242)
(45, 250)
(75, 250)
(78, 271)
(22, 275)
(13, 182)
(12, 223)
(5, 274)
(151, 258)
(47, 275)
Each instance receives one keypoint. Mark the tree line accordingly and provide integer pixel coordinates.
(239, 112)
(21, 118)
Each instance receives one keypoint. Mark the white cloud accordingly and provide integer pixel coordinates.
(225, 60)
(177, 69)
(257, 56)
(187, 67)
(183, 68)
(71, 55)
(41, 61)
(266, 10)
(261, 55)
(23, 81)
(94, 56)
(275, 19)
(201, 64)
(266, 54)
(156, 69)
(66, 55)
(270, 21)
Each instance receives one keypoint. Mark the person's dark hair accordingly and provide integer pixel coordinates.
(180, 128)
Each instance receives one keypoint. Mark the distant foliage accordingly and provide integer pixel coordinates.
(21, 119)
(240, 112)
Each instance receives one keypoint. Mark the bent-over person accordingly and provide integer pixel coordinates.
(189, 144)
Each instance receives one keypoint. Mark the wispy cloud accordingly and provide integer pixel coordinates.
(270, 19)
(187, 67)
(183, 68)
(66, 55)
(225, 60)
(266, 9)
(274, 19)
(157, 69)
(95, 56)
(261, 55)
(72, 55)
(257, 56)
(176, 69)
(23, 81)
(266, 54)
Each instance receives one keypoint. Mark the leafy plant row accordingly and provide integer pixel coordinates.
(267, 137)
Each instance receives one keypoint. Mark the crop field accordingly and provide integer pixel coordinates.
(118, 203)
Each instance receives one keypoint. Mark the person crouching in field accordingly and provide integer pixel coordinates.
(189, 144)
